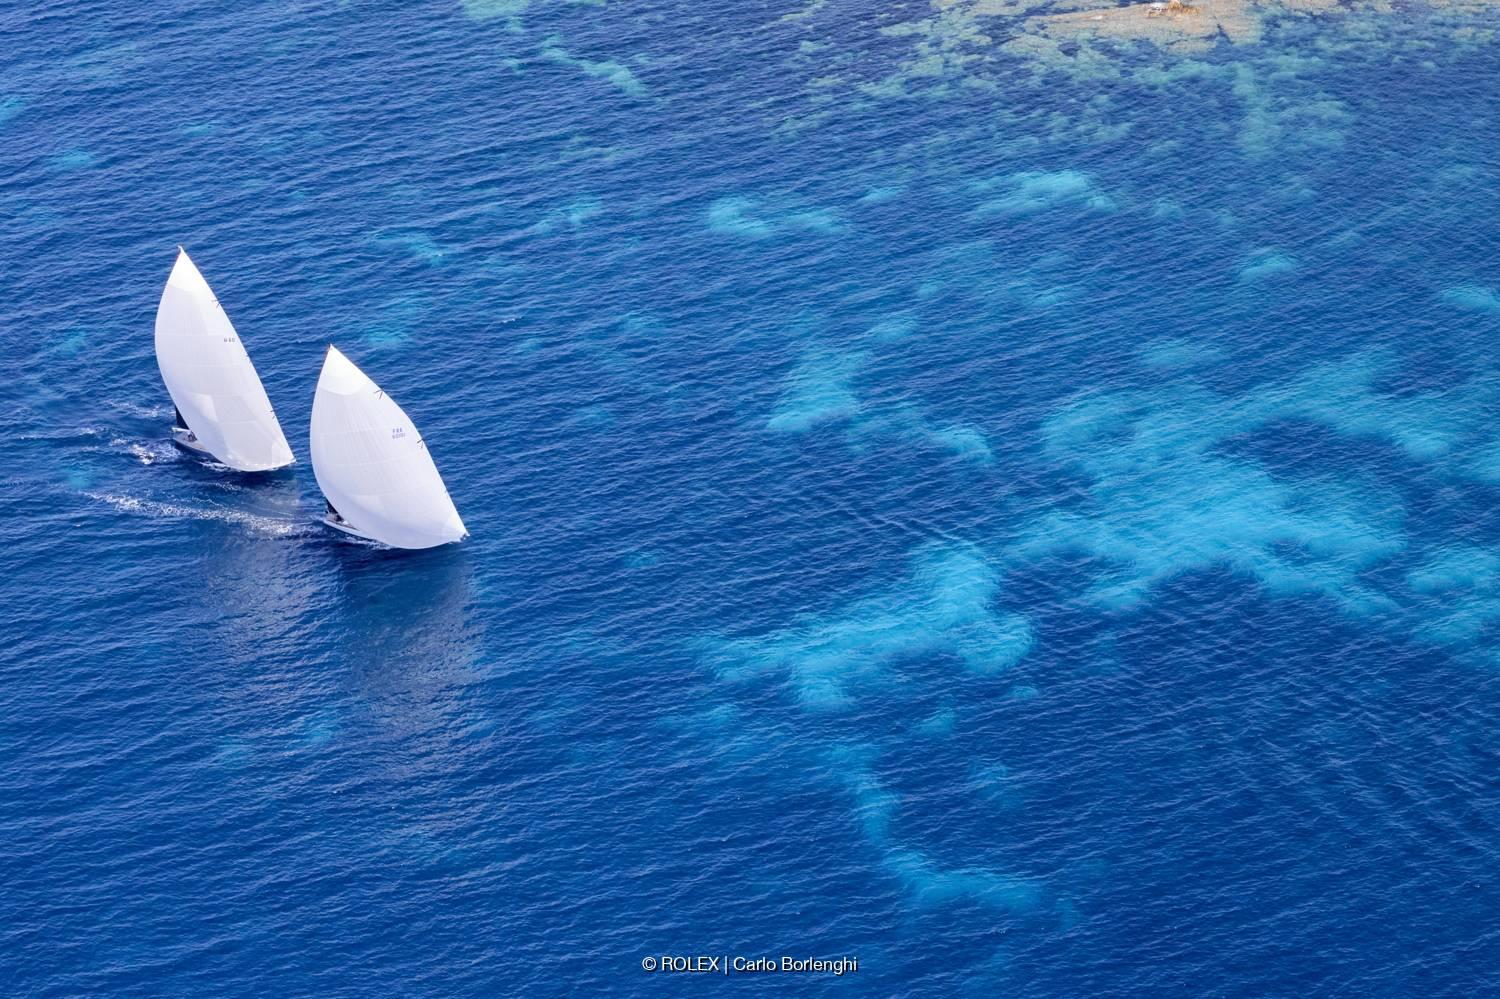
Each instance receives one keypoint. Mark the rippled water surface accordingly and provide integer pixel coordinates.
(1025, 518)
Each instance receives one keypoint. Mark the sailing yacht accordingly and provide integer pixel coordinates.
(377, 478)
(221, 407)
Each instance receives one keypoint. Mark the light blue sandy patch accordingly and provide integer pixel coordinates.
(415, 244)
(964, 442)
(10, 107)
(74, 159)
(1179, 354)
(615, 73)
(939, 723)
(1049, 297)
(819, 390)
(109, 63)
(1342, 395)
(933, 886)
(71, 344)
(994, 784)
(762, 217)
(1473, 298)
(943, 606)
(739, 216)
(736, 738)
(573, 215)
(80, 479)
(928, 884)
(489, 10)
(393, 325)
(1163, 503)
(1459, 569)
(1484, 465)
(320, 728)
(581, 147)
(642, 560)
(1461, 587)
(1033, 191)
(880, 195)
(1265, 264)
(823, 220)
(1275, 119)
(893, 329)
(199, 130)
(1166, 208)
(593, 417)
(233, 753)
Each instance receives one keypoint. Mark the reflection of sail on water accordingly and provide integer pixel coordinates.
(373, 466)
(219, 398)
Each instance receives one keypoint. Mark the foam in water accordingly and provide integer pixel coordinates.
(149, 453)
(943, 606)
(255, 523)
(135, 409)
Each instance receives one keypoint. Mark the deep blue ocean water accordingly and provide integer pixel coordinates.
(1032, 528)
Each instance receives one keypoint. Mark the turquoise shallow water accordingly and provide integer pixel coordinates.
(1026, 525)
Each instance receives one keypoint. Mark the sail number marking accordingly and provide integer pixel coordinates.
(397, 433)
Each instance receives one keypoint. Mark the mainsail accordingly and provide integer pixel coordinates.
(218, 395)
(372, 465)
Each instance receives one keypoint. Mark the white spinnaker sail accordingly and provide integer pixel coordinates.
(372, 465)
(210, 377)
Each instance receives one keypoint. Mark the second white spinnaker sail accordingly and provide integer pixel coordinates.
(218, 395)
(373, 466)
